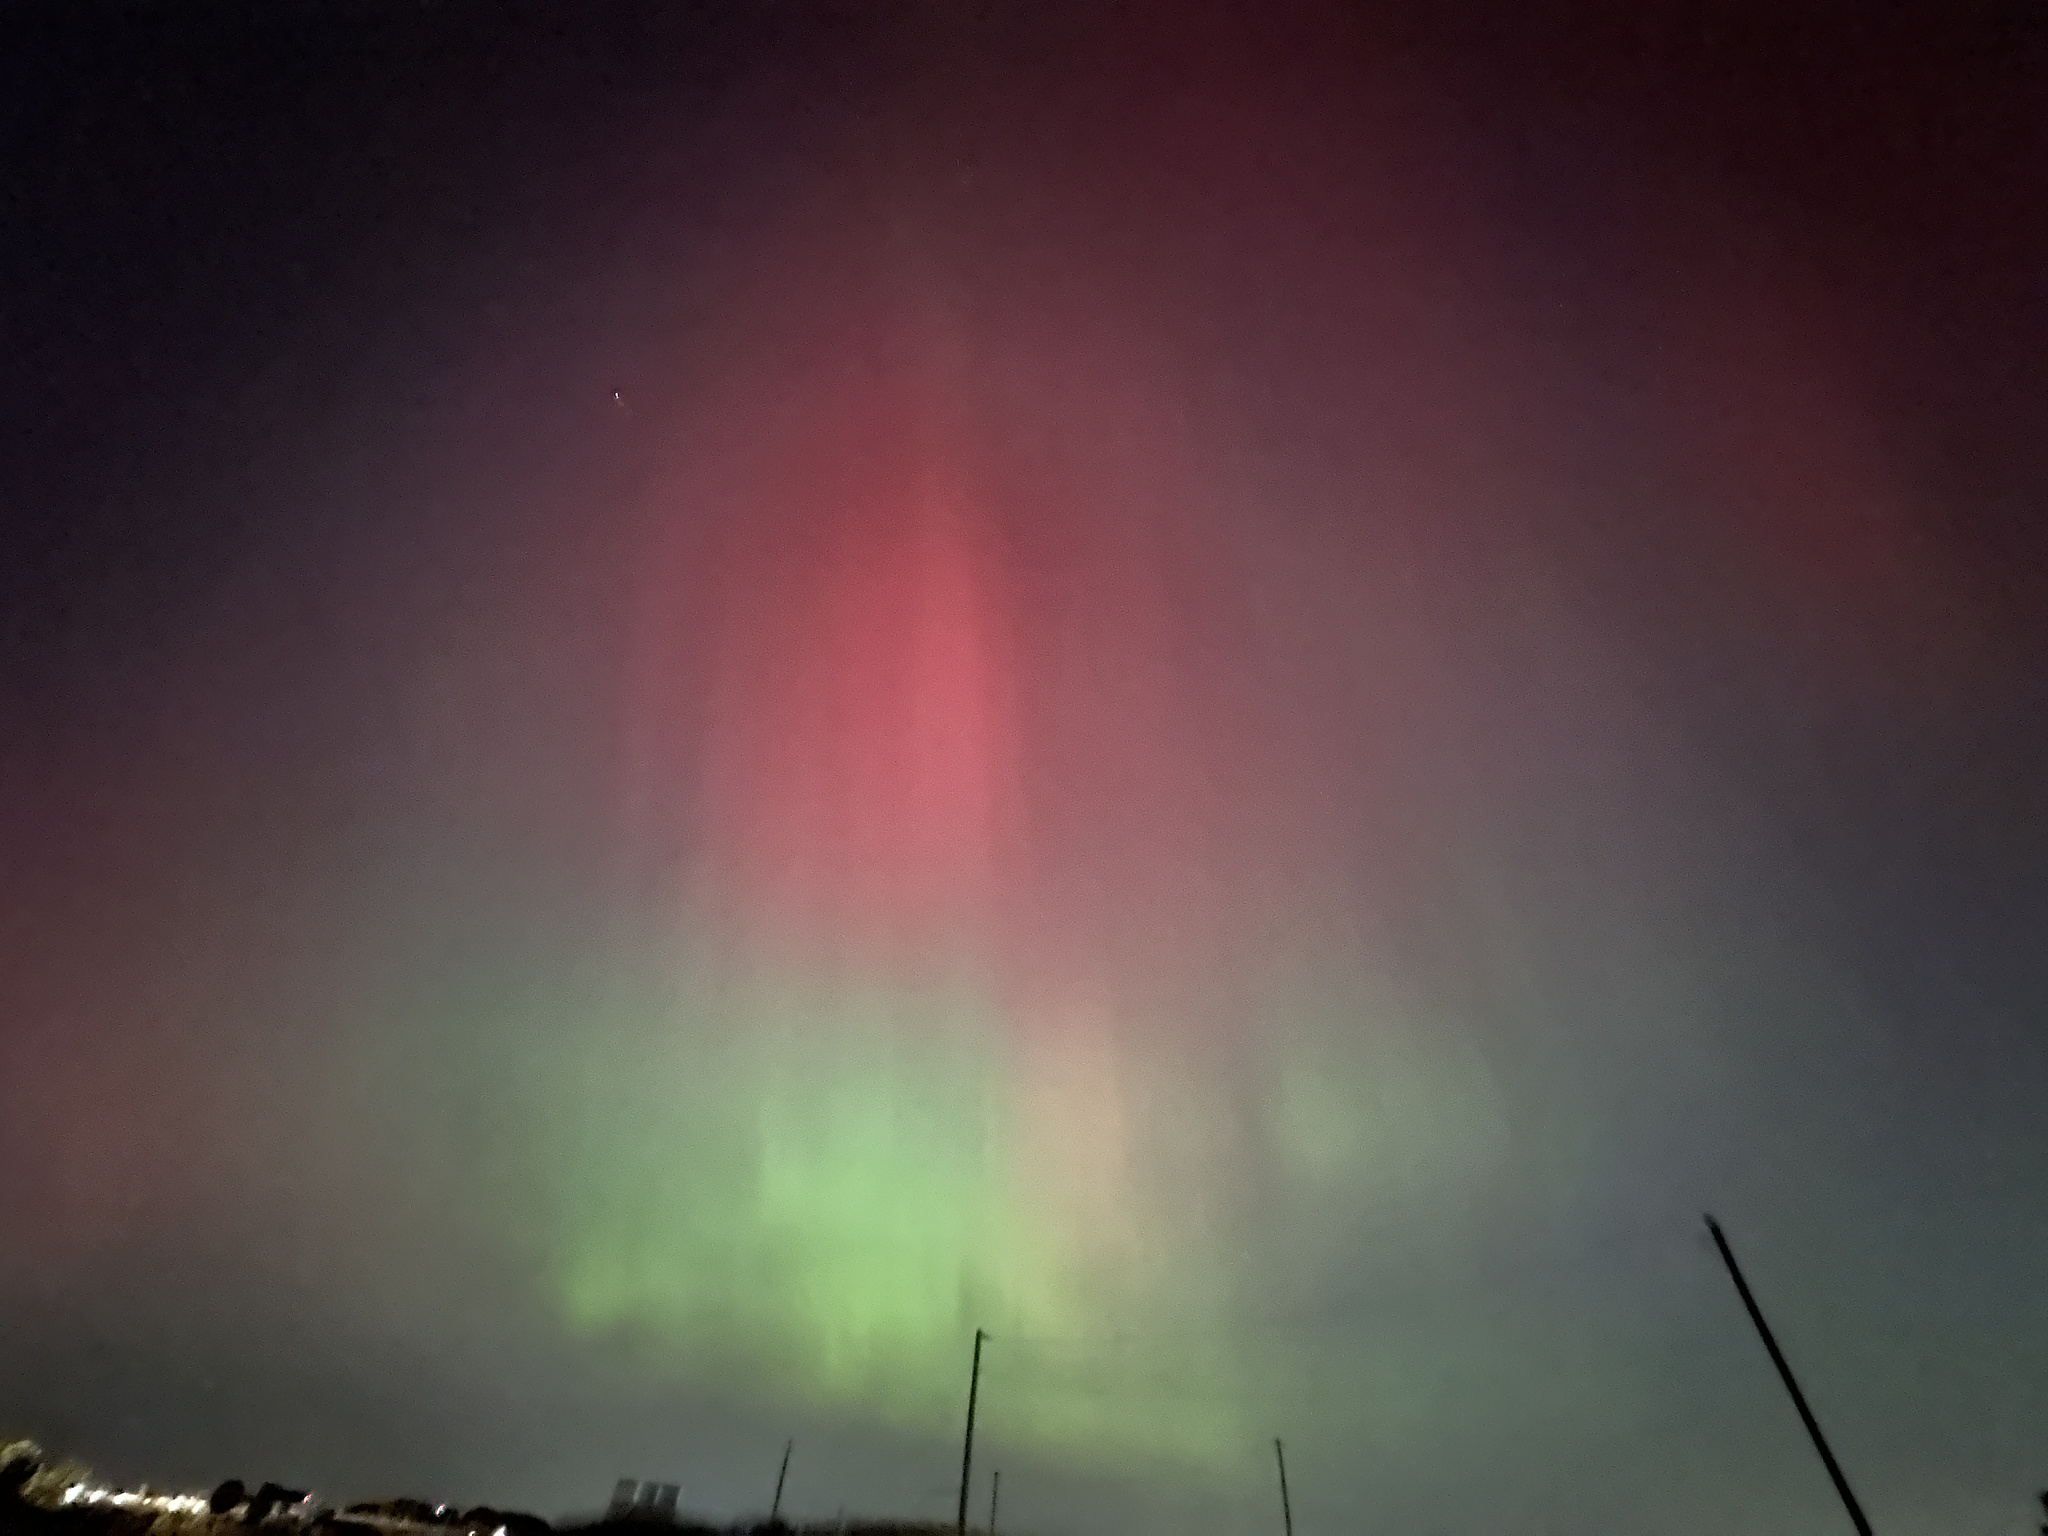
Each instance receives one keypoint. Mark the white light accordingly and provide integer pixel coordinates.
(176, 1503)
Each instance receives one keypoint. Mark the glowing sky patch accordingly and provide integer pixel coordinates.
(1242, 700)
(890, 1121)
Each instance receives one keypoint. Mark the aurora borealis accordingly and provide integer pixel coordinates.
(695, 697)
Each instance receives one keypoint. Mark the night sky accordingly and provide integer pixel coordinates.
(694, 696)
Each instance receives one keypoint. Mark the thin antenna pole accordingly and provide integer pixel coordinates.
(995, 1488)
(1286, 1509)
(775, 1509)
(1820, 1443)
(967, 1449)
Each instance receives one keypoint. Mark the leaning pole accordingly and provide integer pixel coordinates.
(1820, 1441)
(967, 1449)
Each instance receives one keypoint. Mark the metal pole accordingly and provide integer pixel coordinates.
(775, 1510)
(1820, 1443)
(995, 1488)
(967, 1449)
(1286, 1510)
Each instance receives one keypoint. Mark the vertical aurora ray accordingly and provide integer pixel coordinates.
(870, 1127)
(1004, 981)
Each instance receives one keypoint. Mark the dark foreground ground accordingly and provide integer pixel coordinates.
(19, 1518)
(31, 1504)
